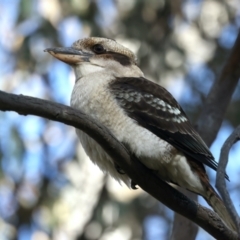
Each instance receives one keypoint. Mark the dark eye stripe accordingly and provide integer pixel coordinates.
(122, 59)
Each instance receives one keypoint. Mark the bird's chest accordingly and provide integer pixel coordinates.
(155, 153)
(98, 102)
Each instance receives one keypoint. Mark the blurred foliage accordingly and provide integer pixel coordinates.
(48, 189)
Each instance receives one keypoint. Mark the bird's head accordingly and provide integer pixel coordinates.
(94, 54)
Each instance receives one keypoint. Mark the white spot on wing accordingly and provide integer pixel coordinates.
(179, 119)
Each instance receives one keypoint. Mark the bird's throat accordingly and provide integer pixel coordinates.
(85, 69)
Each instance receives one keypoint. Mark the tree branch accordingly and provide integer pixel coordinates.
(219, 97)
(220, 181)
(169, 196)
(210, 120)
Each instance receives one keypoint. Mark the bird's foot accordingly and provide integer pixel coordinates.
(133, 185)
(119, 170)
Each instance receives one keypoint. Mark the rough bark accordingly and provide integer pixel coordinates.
(169, 196)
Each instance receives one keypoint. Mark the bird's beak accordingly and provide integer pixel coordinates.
(69, 55)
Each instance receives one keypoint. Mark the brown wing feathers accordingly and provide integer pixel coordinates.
(154, 108)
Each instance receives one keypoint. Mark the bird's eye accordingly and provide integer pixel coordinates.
(98, 48)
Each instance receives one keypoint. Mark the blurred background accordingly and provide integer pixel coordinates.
(48, 187)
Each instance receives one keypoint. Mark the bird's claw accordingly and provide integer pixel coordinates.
(119, 170)
(133, 185)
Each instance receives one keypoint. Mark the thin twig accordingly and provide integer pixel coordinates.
(220, 181)
(211, 118)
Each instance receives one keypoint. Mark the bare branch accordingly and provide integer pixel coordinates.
(144, 177)
(180, 222)
(220, 181)
(211, 118)
(219, 96)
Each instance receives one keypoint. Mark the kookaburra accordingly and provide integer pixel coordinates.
(144, 116)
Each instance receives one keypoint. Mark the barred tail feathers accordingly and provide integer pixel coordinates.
(218, 206)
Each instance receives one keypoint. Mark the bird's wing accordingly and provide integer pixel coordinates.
(155, 109)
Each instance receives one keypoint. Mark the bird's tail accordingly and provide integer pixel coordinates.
(218, 206)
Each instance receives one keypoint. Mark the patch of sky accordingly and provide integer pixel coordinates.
(9, 13)
(7, 62)
(37, 44)
(60, 140)
(228, 36)
(59, 82)
(191, 9)
(8, 18)
(188, 96)
(203, 235)
(70, 30)
(32, 85)
(5, 128)
(30, 127)
(44, 165)
(63, 149)
(8, 203)
(12, 167)
(33, 163)
(202, 75)
(55, 173)
(24, 232)
(177, 88)
(11, 149)
(200, 78)
(29, 26)
(155, 227)
(106, 6)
